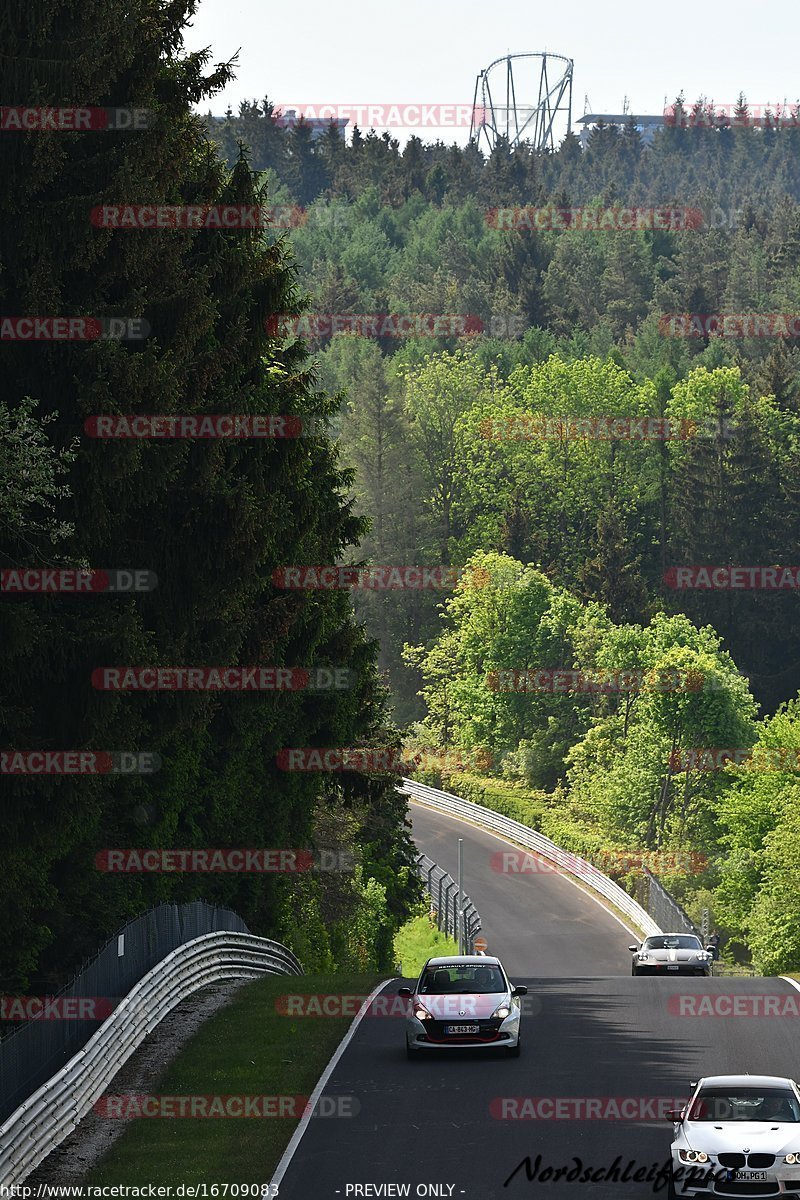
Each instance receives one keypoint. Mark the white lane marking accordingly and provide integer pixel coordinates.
(288, 1153)
(507, 842)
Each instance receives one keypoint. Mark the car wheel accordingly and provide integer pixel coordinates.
(411, 1052)
(634, 971)
(514, 1051)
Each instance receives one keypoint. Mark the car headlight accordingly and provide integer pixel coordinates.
(643, 956)
(693, 1156)
(791, 1160)
(502, 1011)
(421, 1013)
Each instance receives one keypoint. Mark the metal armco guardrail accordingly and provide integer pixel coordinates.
(442, 891)
(529, 839)
(55, 1109)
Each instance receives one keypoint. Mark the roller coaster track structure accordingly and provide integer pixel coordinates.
(534, 100)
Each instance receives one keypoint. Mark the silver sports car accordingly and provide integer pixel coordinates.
(671, 954)
(739, 1135)
(463, 1000)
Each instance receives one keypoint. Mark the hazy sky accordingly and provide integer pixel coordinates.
(429, 51)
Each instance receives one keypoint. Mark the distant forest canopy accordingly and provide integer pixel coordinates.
(691, 159)
(417, 230)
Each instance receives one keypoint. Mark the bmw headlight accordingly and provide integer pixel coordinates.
(699, 1156)
(503, 1011)
(792, 1160)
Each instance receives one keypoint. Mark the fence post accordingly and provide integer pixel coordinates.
(464, 920)
(451, 884)
(469, 912)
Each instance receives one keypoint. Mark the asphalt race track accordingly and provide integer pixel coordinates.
(456, 1124)
(538, 923)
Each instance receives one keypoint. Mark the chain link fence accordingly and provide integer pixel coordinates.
(35, 1050)
(667, 912)
(664, 908)
(442, 891)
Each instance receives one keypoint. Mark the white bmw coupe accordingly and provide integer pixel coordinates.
(739, 1135)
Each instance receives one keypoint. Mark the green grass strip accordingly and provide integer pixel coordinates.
(247, 1049)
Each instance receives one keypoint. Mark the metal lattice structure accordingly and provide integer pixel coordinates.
(524, 108)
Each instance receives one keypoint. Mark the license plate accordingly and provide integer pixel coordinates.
(673, 968)
(462, 1028)
(756, 1175)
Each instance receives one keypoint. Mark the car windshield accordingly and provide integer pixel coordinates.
(461, 979)
(745, 1104)
(673, 941)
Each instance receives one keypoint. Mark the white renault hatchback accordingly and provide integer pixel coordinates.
(465, 1000)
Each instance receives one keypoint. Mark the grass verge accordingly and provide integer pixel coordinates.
(247, 1049)
(419, 940)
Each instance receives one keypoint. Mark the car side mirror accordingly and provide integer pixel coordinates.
(633, 949)
(519, 990)
(674, 1114)
(404, 991)
(710, 949)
